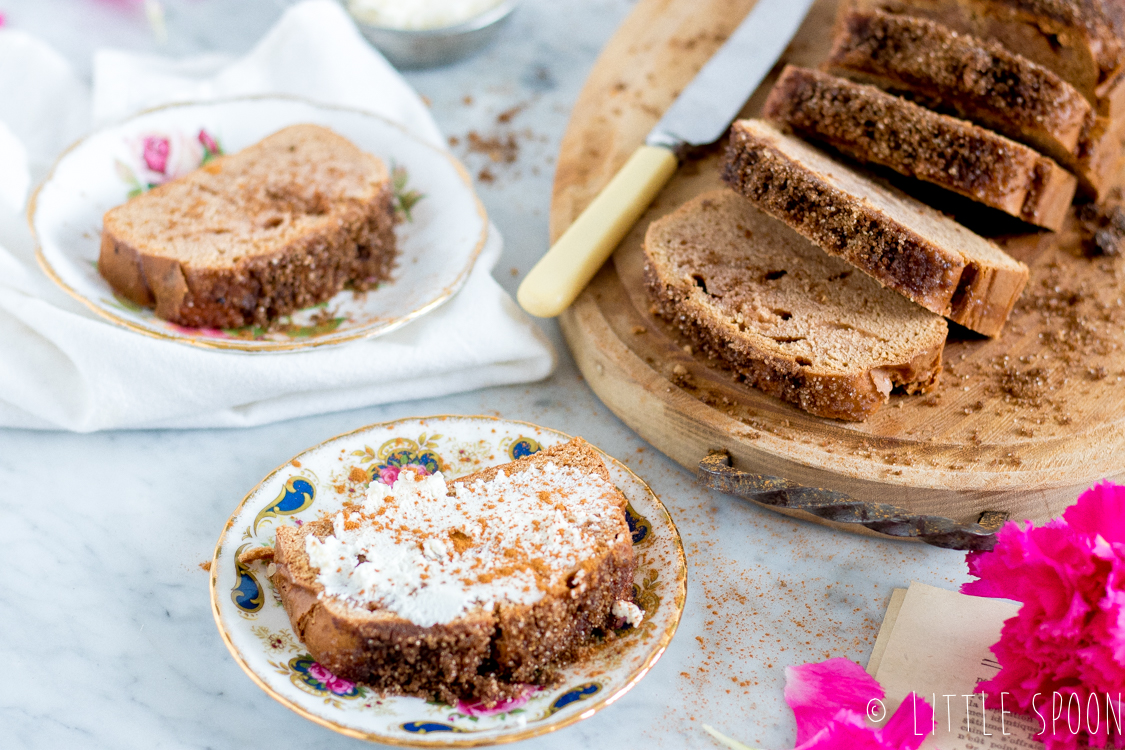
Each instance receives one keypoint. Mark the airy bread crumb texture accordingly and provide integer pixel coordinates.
(279, 226)
(788, 318)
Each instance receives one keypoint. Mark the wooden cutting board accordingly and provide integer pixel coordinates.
(1019, 424)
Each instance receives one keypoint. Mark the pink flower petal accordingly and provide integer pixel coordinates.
(155, 153)
(339, 685)
(1100, 511)
(817, 693)
(908, 727)
(843, 735)
(478, 708)
(317, 672)
(208, 142)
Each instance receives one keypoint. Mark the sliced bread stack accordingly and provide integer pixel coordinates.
(785, 316)
(826, 287)
(1081, 41)
(872, 126)
(981, 80)
(901, 242)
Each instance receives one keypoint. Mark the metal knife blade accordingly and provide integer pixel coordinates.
(704, 110)
(699, 116)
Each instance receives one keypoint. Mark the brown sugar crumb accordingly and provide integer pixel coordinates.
(1023, 387)
(500, 149)
(461, 541)
(681, 376)
(205, 565)
(357, 474)
(1101, 226)
(506, 116)
(486, 176)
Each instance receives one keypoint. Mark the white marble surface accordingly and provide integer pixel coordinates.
(105, 623)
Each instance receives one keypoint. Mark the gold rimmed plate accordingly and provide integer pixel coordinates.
(443, 231)
(256, 629)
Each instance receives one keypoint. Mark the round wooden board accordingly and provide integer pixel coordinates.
(1019, 424)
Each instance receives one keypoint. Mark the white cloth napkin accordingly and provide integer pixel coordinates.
(63, 367)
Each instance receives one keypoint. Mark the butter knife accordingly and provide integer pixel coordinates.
(699, 116)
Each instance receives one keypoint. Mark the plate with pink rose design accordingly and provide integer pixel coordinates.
(442, 232)
(256, 629)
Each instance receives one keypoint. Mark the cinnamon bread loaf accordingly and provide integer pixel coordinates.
(982, 81)
(279, 226)
(901, 242)
(466, 590)
(785, 316)
(872, 126)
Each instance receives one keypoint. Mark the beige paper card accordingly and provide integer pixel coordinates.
(885, 631)
(938, 646)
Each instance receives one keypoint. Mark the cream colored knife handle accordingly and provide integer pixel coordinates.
(566, 269)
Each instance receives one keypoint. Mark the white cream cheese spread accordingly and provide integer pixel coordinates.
(633, 614)
(418, 14)
(430, 552)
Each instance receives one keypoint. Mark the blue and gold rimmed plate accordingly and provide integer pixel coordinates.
(256, 629)
(442, 232)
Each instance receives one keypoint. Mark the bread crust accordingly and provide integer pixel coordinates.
(351, 241)
(872, 126)
(932, 274)
(485, 655)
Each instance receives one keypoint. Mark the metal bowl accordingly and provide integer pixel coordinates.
(428, 48)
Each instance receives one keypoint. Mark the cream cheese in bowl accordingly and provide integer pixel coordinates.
(418, 14)
(425, 33)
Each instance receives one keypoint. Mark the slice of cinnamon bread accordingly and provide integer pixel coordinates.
(466, 590)
(872, 126)
(902, 243)
(1081, 41)
(981, 81)
(274, 228)
(788, 318)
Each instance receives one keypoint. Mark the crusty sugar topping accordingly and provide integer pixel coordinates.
(976, 77)
(431, 552)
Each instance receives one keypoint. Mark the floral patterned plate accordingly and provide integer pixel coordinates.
(443, 231)
(256, 629)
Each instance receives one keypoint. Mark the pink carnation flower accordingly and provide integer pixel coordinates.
(1062, 657)
(831, 699)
